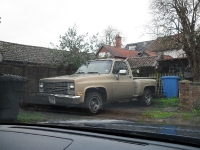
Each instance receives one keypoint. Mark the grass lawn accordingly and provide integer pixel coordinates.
(166, 102)
(30, 116)
(160, 111)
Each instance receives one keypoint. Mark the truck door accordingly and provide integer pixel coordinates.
(123, 87)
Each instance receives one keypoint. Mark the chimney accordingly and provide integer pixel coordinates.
(118, 41)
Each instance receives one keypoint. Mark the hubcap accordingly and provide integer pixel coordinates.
(148, 98)
(94, 104)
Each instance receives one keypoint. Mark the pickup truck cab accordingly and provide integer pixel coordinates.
(97, 82)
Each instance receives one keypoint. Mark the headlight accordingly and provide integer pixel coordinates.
(71, 85)
(41, 87)
(41, 84)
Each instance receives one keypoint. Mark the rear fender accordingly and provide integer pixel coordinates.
(141, 84)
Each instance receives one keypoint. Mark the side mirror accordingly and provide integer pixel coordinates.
(123, 72)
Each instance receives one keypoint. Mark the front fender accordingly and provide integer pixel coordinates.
(82, 92)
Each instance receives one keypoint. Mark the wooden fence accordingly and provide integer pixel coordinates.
(158, 76)
(34, 73)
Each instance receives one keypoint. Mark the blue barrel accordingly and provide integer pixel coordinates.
(170, 86)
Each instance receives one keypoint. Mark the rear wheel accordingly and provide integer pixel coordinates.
(146, 98)
(93, 102)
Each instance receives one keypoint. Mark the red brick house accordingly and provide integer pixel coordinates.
(117, 51)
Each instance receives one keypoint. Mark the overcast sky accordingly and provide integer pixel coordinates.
(39, 22)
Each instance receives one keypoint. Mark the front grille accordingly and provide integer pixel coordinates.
(56, 87)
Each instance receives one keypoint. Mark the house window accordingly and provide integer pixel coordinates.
(133, 47)
(108, 54)
(102, 54)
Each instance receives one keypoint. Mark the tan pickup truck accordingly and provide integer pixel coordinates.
(97, 82)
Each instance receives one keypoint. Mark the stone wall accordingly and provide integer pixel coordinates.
(189, 94)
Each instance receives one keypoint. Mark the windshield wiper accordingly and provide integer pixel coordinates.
(80, 72)
(93, 72)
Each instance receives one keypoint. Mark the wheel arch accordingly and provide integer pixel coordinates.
(101, 90)
(151, 88)
(146, 98)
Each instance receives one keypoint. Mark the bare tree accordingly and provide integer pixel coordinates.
(109, 35)
(179, 21)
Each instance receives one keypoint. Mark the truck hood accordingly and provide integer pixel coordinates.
(72, 77)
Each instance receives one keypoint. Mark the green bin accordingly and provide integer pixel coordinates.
(10, 96)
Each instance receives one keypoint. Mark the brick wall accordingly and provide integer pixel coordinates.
(195, 94)
(189, 94)
(33, 73)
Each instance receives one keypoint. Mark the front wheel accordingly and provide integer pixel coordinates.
(146, 98)
(93, 102)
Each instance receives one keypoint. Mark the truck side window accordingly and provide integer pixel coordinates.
(119, 65)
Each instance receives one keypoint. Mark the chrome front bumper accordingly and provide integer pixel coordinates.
(60, 99)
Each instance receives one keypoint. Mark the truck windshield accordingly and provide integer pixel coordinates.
(99, 66)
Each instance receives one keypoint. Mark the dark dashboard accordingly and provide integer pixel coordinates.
(36, 137)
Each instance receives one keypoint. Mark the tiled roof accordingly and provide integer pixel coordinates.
(151, 53)
(173, 59)
(121, 52)
(163, 44)
(167, 57)
(148, 54)
(140, 46)
(136, 62)
(24, 53)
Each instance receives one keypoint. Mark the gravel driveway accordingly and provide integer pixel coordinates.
(125, 110)
(131, 111)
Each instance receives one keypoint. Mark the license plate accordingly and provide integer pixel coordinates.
(52, 99)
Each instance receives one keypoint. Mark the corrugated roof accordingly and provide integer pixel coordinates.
(136, 62)
(24, 53)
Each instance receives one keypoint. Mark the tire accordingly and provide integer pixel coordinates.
(93, 103)
(146, 98)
